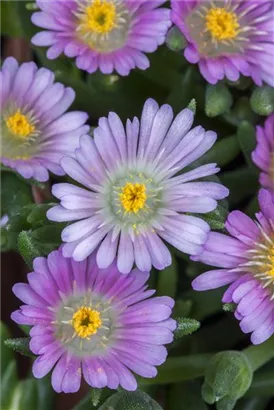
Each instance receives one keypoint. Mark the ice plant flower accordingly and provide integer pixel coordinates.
(35, 130)
(102, 34)
(91, 322)
(245, 260)
(133, 193)
(228, 37)
(263, 156)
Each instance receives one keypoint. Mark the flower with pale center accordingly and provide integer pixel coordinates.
(246, 259)
(134, 195)
(99, 324)
(228, 38)
(102, 34)
(36, 131)
(263, 155)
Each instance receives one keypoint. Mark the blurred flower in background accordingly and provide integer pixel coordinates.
(94, 322)
(246, 259)
(134, 195)
(36, 131)
(228, 38)
(102, 34)
(263, 156)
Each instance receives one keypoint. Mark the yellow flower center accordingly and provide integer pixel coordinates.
(19, 125)
(133, 197)
(222, 24)
(271, 259)
(100, 16)
(86, 322)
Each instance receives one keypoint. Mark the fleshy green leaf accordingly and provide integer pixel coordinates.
(9, 381)
(15, 193)
(223, 151)
(247, 141)
(262, 100)
(218, 100)
(167, 280)
(20, 345)
(229, 307)
(125, 400)
(27, 247)
(216, 219)
(25, 395)
(186, 326)
(6, 353)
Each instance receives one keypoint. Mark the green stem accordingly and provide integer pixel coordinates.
(178, 369)
(260, 354)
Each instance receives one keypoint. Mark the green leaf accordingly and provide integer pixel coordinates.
(9, 381)
(247, 140)
(180, 368)
(15, 193)
(228, 376)
(241, 183)
(6, 353)
(46, 395)
(27, 247)
(96, 395)
(167, 280)
(216, 219)
(20, 345)
(186, 326)
(218, 100)
(11, 23)
(37, 215)
(262, 100)
(25, 396)
(223, 151)
(229, 307)
(125, 400)
(39, 242)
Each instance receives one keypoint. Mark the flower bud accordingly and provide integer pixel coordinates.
(175, 39)
(218, 100)
(227, 378)
(262, 100)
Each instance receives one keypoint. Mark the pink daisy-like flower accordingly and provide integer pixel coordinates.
(246, 259)
(134, 194)
(91, 322)
(228, 37)
(102, 34)
(263, 156)
(36, 131)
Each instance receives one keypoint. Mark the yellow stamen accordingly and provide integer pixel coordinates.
(100, 16)
(19, 125)
(222, 24)
(133, 197)
(271, 258)
(86, 322)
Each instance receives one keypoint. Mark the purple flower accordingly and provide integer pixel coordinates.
(135, 193)
(246, 259)
(228, 37)
(263, 156)
(36, 131)
(92, 322)
(102, 34)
